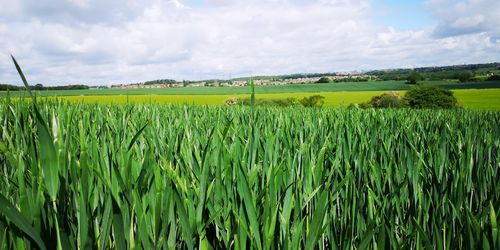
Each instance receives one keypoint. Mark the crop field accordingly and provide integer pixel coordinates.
(290, 88)
(148, 176)
(486, 99)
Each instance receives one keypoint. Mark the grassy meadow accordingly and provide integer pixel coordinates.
(290, 88)
(486, 99)
(148, 176)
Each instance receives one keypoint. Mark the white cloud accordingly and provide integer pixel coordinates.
(144, 40)
(465, 17)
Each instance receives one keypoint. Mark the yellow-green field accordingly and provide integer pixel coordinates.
(488, 99)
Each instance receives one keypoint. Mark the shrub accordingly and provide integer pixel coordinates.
(232, 101)
(430, 97)
(323, 80)
(388, 100)
(313, 101)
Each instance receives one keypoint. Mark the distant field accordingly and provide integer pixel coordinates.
(323, 87)
(487, 99)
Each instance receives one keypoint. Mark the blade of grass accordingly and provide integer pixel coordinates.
(11, 213)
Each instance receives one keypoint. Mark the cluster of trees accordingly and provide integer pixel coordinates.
(458, 72)
(5, 87)
(410, 75)
(462, 76)
(418, 97)
(353, 79)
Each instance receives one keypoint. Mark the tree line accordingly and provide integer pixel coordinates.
(5, 87)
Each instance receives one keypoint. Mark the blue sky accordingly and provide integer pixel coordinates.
(124, 41)
(402, 14)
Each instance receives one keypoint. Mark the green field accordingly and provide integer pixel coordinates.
(291, 88)
(488, 99)
(147, 176)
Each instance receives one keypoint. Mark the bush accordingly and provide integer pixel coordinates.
(313, 101)
(323, 80)
(388, 100)
(430, 97)
(232, 101)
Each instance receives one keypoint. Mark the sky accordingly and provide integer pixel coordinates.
(102, 42)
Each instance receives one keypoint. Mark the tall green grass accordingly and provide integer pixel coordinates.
(86, 176)
(152, 176)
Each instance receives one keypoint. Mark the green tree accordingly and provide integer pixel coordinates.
(464, 76)
(413, 78)
(38, 86)
(430, 97)
(323, 80)
(494, 78)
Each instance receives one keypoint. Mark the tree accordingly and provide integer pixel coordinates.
(38, 86)
(430, 97)
(323, 80)
(413, 78)
(494, 78)
(464, 76)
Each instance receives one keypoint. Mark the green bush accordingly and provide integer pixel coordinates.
(388, 100)
(430, 97)
(313, 101)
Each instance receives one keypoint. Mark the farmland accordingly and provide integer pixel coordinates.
(142, 171)
(172, 176)
(485, 99)
(250, 125)
(290, 88)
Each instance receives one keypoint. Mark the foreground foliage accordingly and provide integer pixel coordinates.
(151, 176)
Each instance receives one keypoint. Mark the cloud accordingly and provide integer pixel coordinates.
(465, 17)
(74, 11)
(86, 41)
